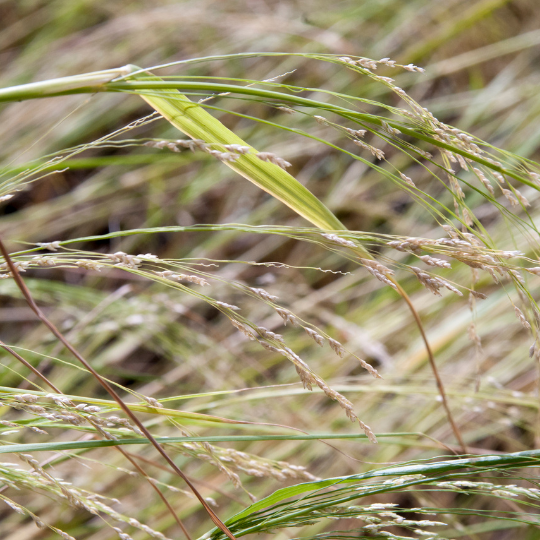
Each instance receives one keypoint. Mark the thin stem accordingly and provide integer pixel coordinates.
(434, 368)
(100, 81)
(121, 450)
(35, 308)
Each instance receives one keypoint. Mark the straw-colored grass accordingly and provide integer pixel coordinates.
(250, 260)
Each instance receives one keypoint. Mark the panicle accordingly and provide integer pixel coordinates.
(309, 379)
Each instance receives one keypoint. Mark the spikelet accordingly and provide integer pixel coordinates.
(272, 158)
(317, 338)
(379, 154)
(337, 347)
(407, 180)
(51, 246)
(287, 317)
(227, 306)
(510, 196)
(339, 240)
(263, 294)
(521, 318)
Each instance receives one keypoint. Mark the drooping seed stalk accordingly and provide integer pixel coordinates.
(197, 123)
(193, 120)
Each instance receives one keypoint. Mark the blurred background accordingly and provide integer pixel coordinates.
(481, 59)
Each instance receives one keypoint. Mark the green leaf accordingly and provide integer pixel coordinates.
(197, 123)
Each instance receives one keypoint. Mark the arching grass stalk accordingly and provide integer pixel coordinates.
(148, 86)
(193, 120)
(197, 123)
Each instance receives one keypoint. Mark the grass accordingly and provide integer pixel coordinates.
(140, 246)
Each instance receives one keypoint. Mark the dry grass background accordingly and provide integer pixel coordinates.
(481, 61)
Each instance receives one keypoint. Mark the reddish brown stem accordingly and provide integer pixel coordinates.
(35, 308)
(121, 450)
(434, 368)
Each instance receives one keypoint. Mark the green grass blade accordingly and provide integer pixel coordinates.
(517, 459)
(78, 445)
(197, 123)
